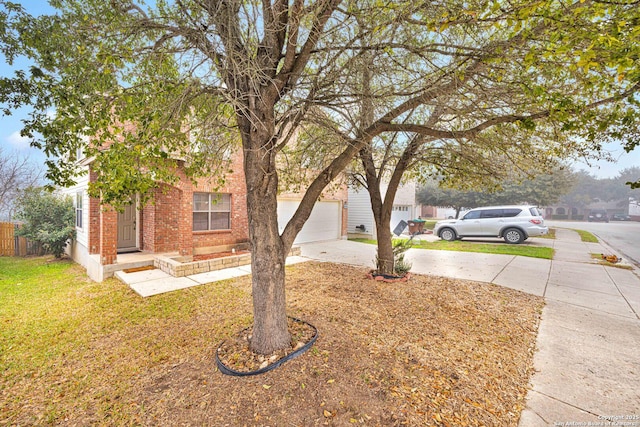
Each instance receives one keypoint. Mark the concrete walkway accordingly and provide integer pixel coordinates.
(154, 282)
(588, 359)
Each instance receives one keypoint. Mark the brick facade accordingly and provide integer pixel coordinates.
(108, 235)
(94, 219)
(165, 224)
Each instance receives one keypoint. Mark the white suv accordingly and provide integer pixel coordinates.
(513, 223)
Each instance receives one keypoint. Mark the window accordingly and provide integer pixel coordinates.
(472, 215)
(491, 213)
(79, 209)
(510, 213)
(211, 211)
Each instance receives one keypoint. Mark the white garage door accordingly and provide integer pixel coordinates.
(400, 213)
(323, 224)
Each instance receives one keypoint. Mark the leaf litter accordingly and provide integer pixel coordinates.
(430, 351)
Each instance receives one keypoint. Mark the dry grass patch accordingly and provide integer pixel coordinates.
(431, 351)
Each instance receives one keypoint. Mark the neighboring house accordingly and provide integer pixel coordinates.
(183, 219)
(581, 214)
(437, 212)
(361, 223)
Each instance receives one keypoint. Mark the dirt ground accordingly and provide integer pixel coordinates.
(430, 351)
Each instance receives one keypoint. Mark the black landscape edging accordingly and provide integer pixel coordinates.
(228, 371)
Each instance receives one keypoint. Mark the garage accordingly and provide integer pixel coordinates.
(323, 224)
(400, 213)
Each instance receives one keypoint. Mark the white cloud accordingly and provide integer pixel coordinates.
(17, 141)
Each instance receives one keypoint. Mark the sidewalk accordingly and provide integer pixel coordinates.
(588, 358)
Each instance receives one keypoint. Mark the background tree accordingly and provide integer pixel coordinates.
(432, 194)
(16, 173)
(617, 188)
(588, 189)
(48, 219)
(541, 190)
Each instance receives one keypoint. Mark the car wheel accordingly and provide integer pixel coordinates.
(448, 234)
(513, 235)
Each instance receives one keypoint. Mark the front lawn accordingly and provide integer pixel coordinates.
(429, 351)
(474, 246)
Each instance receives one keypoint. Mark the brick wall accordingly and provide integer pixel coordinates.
(234, 184)
(108, 235)
(94, 219)
(167, 223)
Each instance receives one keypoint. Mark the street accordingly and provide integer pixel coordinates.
(623, 236)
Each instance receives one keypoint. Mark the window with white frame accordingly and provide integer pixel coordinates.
(211, 211)
(79, 197)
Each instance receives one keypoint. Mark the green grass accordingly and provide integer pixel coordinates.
(586, 236)
(489, 248)
(550, 235)
(63, 338)
(429, 224)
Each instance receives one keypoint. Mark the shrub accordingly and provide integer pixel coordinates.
(400, 266)
(47, 219)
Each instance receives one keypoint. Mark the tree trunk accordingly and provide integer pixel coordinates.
(270, 331)
(385, 261)
(381, 210)
(268, 254)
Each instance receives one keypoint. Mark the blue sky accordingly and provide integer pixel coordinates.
(10, 139)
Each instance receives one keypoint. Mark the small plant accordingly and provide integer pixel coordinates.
(400, 266)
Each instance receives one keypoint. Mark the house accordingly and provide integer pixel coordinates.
(361, 223)
(184, 220)
(581, 213)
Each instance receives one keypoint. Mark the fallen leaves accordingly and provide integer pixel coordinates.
(431, 351)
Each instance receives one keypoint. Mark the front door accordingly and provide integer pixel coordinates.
(127, 237)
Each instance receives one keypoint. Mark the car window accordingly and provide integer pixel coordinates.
(509, 213)
(492, 213)
(472, 215)
(534, 211)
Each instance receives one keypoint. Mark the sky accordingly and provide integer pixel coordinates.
(11, 141)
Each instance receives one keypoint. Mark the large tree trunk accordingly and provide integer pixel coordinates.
(270, 330)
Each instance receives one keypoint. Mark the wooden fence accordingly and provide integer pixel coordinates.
(12, 245)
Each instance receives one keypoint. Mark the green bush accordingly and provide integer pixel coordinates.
(400, 266)
(47, 219)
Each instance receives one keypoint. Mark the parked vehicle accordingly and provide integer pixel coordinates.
(598, 215)
(514, 224)
(620, 217)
